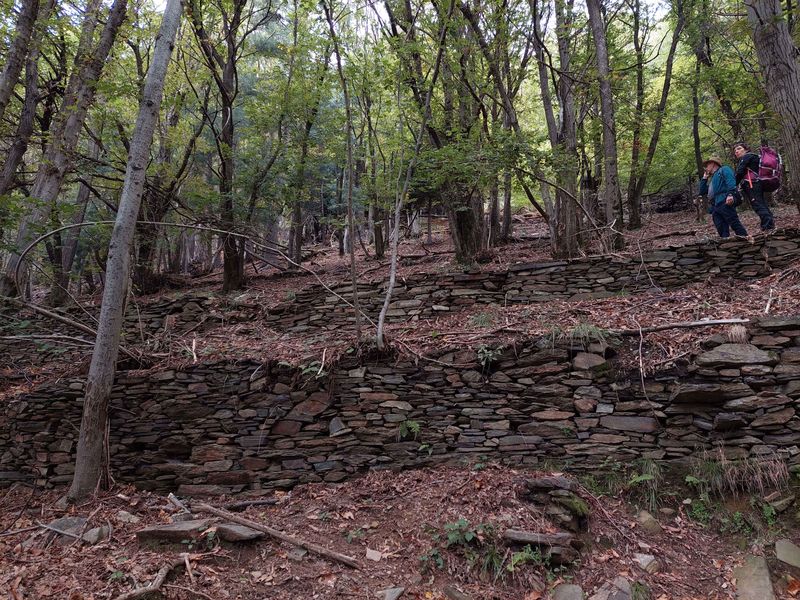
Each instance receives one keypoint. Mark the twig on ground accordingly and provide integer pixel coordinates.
(237, 506)
(682, 325)
(310, 546)
(154, 585)
(188, 589)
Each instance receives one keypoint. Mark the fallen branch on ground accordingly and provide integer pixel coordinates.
(237, 506)
(67, 321)
(154, 585)
(681, 325)
(310, 546)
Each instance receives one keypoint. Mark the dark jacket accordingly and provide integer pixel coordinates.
(748, 162)
(724, 185)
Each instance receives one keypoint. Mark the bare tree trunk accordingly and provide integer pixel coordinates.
(777, 55)
(561, 131)
(610, 184)
(63, 139)
(351, 228)
(702, 50)
(639, 38)
(698, 156)
(15, 59)
(662, 104)
(91, 441)
(59, 290)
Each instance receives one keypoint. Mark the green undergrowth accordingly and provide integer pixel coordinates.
(470, 549)
(747, 499)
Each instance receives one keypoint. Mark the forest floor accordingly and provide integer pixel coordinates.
(495, 326)
(396, 526)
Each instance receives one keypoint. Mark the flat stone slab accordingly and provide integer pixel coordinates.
(391, 593)
(640, 424)
(619, 589)
(787, 552)
(174, 532)
(735, 355)
(752, 580)
(233, 532)
(568, 591)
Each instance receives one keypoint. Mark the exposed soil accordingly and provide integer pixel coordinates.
(395, 514)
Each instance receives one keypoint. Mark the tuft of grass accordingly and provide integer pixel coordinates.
(714, 474)
(586, 333)
(645, 483)
(481, 320)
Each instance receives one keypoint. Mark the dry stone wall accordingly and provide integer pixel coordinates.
(229, 427)
(426, 295)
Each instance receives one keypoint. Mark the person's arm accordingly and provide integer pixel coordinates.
(728, 179)
(703, 189)
(741, 168)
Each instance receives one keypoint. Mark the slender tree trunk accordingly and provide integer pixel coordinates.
(661, 109)
(777, 55)
(91, 441)
(26, 119)
(63, 139)
(351, 228)
(698, 153)
(610, 184)
(59, 289)
(15, 59)
(634, 204)
(562, 130)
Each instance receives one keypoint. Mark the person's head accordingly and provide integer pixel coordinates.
(740, 149)
(712, 164)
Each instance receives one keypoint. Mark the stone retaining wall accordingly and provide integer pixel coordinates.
(228, 427)
(426, 295)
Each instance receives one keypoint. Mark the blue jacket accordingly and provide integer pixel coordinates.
(724, 184)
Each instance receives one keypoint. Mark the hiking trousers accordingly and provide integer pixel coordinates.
(756, 197)
(726, 218)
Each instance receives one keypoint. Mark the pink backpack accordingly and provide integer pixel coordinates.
(770, 169)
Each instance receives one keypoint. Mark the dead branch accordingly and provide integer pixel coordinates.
(310, 546)
(154, 585)
(67, 321)
(237, 506)
(681, 325)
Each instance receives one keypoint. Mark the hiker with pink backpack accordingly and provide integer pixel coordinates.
(756, 174)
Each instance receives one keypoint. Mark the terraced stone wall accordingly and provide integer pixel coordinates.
(425, 295)
(228, 427)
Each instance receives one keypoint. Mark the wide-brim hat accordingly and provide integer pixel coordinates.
(714, 159)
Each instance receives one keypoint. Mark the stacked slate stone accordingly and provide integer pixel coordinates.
(233, 426)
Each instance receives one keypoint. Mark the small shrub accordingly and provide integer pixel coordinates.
(354, 534)
(488, 355)
(700, 511)
(526, 556)
(430, 560)
(408, 428)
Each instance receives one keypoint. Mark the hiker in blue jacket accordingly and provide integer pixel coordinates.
(719, 184)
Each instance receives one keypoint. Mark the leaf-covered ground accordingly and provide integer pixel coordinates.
(400, 518)
(42, 360)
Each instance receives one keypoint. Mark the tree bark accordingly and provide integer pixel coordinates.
(610, 183)
(639, 39)
(777, 56)
(57, 159)
(17, 53)
(698, 156)
(351, 227)
(661, 108)
(91, 440)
